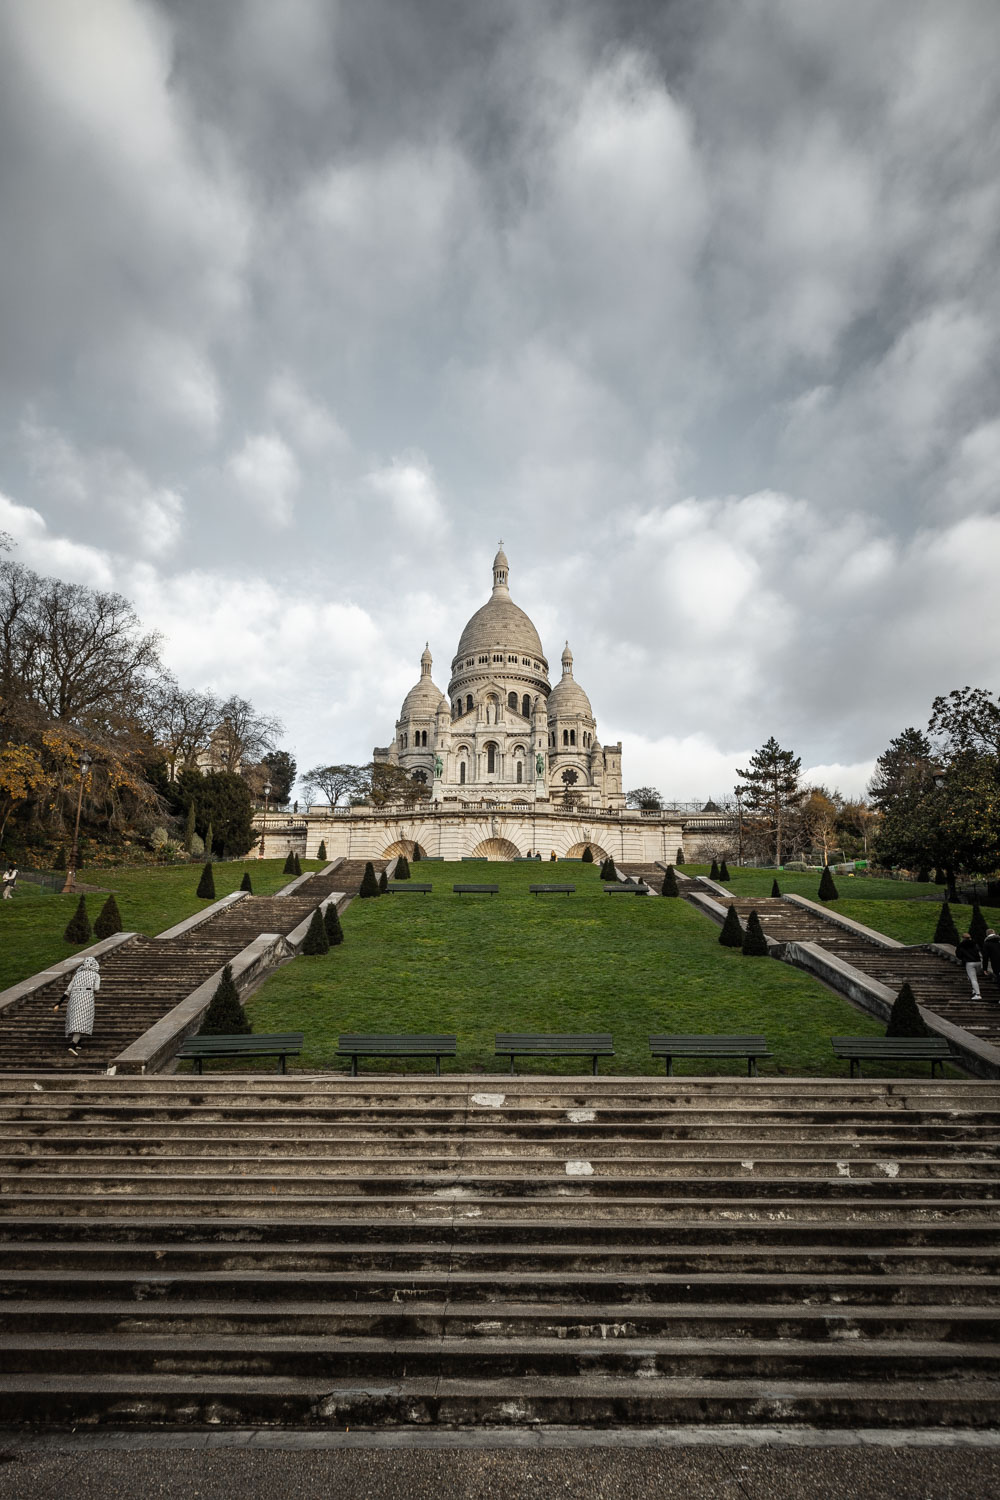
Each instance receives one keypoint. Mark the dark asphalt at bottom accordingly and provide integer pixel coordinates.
(653, 1473)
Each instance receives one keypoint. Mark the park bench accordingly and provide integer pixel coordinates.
(534, 1044)
(475, 890)
(550, 890)
(279, 1044)
(932, 1049)
(750, 1047)
(356, 1044)
(396, 887)
(627, 888)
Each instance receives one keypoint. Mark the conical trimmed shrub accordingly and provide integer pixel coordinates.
(923, 875)
(316, 940)
(78, 926)
(383, 883)
(754, 941)
(321, 851)
(416, 853)
(402, 868)
(670, 883)
(331, 921)
(225, 1015)
(108, 919)
(296, 865)
(288, 868)
(206, 885)
(978, 927)
(775, 888)
(246, 884)
(940, 878)
(827, 889)
(713, 873)
(369, 883)
(946, 931)
(905, 1018)
(680, 857)
(587, 857)
(731, 935)
(723, 871)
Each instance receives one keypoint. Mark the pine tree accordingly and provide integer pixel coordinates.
(321, 851)
(905, 1018)
(946, 931)
(206, 885)
(770, 785)
(246, 884)
(296, 865)
(288, 868)
(827, 889)
(369, 883)
(316, 940)
(978, 926)
(670, 883)
(754, 941)
(680, 860)
(731, 935)
(108, 919)
(209, 841)
(383, 883)
(416, 853)
(78, 926)
(189, 828)
(225, 1015)
(723, 871)
(331, 921)
(587, 858)
(713, 873)
(402, 868)
(775, 888)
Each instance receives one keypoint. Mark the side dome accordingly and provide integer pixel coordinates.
(500, 623)
(567, 699)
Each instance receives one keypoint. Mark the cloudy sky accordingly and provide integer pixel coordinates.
(305, 305)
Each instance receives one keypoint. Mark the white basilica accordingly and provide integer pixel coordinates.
(503, 733)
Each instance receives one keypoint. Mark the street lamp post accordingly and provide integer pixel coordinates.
(739, 814)
(263, 830)
(85, 764)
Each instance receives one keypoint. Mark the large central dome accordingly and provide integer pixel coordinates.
(500, 624)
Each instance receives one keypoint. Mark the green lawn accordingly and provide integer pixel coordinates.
(589, 962)
(149, 900)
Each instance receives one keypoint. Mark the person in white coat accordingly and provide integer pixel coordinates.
(79, 998)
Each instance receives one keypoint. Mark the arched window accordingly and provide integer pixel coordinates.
(491, 758)
(461, 772)
(468, 704)
(520, 771)
(572, 737)
(526, 706)
(512, 701)
(565, 736)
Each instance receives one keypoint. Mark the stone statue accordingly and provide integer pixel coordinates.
(539, 765)
(438, 768)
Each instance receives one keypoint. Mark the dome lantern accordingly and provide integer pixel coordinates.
(501, 569)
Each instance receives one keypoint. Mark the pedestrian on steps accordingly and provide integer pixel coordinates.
(991, 956)
(79, 998)
(967, 952)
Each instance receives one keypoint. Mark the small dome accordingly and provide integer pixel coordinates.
(567, 699)
(500, 561)
(424, 698)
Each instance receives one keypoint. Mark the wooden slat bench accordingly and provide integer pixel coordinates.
(534, 1044)
(475, 890)
(750, 1047)
(550, 890)
(932, 1049)
(278, 1044)
(358, 1044)
(627, 888)
(423, 887)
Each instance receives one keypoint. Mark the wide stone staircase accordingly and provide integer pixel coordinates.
(144, 979)
(394, 1252)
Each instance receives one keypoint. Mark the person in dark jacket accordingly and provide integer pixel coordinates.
(967, 952)
(991, 956)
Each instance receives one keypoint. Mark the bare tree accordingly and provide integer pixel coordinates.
(183, 723)
(244, 736)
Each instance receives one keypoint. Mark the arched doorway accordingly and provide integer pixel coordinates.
(496, 849)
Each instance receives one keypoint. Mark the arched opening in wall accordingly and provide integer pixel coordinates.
(599, 853)
(572, 737)
(519, 772)
(468, 703)
(496, 849)
(512, 701)
(565, 736)
(461, 772)
(491, 759)
(526, 706)
(408, 847)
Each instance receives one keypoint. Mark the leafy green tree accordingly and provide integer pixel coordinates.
(321, 851)
(316, 940)
(281, 774)
(645, 797)
(731, 935)
(369, 883)
(775, 888)
(331, 921)
(224, 812)
(946, 931)
(754, 941)
(335, 783)
(108, 919)
(969, 720)
(827, 888)
(225, 1015)
(206, 885)
(670, 883)
(246, 884)
(402, 868)
(770, 789)
(78, 926)
(905, 1018)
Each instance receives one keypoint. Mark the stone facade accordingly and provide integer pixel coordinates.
(503, 732)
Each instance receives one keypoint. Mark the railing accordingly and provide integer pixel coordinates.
(404, 810)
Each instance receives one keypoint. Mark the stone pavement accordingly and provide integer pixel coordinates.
(61, 1468)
